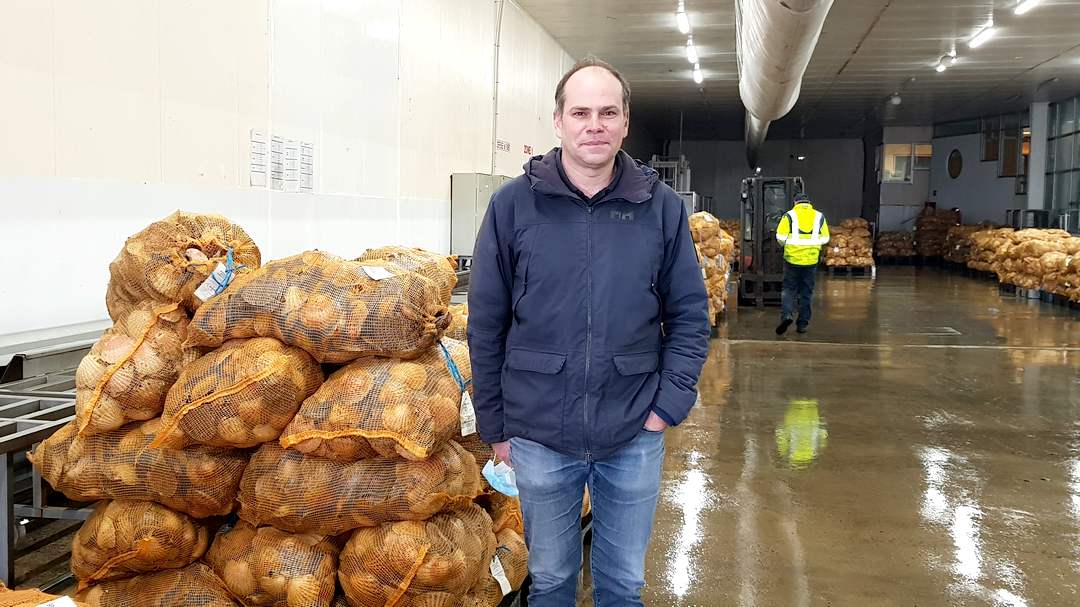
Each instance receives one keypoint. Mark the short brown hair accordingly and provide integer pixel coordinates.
(591, 61)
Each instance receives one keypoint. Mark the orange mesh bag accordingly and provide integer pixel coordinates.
(440, 269)
(122, 539)
(129, 370)
(26, 598)
(513, 557)
(170, 259)
(306, 494)
(193, 586)
(480, 451)
(200, 481)
(241, 395)
(415, 563)
(459, 323)
(332, 308)
(704, 226)
(266, 567)
(505, 511)
(384, 406)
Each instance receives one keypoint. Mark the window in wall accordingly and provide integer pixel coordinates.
(1025, 156)
(1009, 158)
(898, 163)
(991, 137)
(924, 153)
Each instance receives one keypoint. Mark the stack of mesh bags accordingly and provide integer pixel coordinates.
(850, 245)
(1021, 261)
(715, 251)
(895, 244)
(931, 229)
(1061, 268)
(734, 228)
(156, 507)
(985, 245)
(959, 243)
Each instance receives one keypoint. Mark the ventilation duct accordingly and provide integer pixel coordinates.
(776, 39)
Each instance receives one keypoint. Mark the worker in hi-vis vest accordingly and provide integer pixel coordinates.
(802, 232)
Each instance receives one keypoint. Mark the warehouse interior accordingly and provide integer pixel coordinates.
(919, 445)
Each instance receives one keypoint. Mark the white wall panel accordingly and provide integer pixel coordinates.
(979, 193)
(118, 112)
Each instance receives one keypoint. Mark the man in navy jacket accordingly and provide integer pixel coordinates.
(588, 328)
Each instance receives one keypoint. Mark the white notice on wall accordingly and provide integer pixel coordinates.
(277, 163)
(307, 167)
(292, 165)
(258, 159)
(64, 601)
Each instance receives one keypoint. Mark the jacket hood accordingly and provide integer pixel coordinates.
(635, 182)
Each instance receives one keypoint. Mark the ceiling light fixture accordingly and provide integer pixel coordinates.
(979, 39)
(682, 19)
(1025, 6)
(951, 57)
(691, 51)
(698, 76)
(940, 67)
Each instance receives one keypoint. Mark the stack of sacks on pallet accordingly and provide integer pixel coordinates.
(931, 229)
(1017, 261)
(959, 243)
(356, 480)
(850, 245)
(734, 228)
(715, 249)
(984, 248)
(895, 244)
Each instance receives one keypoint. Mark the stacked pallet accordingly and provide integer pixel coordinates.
(734, 228)
(931, 229)
(850, 245)
(985, 245)
(959, 243)
(715, 249)
(317, 394)
(1036, 259)
(895, 244)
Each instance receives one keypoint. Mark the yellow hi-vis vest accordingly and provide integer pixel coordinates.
(802, 232)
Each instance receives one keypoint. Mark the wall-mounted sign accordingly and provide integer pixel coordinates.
(528, 150)
(502, 146)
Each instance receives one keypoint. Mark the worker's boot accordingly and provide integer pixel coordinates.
(802, 328)
(783, 326)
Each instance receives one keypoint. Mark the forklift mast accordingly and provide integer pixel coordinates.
(765, 200)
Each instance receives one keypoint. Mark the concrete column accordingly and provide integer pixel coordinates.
(1040, 130)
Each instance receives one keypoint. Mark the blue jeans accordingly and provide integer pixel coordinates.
(623, 489)
(798, 284)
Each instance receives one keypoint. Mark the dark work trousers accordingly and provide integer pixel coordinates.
(798, 285)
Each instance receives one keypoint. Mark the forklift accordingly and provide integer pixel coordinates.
(765, 200)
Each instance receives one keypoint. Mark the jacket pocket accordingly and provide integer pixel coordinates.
(630, 390)
(534, 391)
(636, 364)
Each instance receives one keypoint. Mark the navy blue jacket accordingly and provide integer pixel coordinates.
(584, 317)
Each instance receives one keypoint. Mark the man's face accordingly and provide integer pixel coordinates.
(592, 124)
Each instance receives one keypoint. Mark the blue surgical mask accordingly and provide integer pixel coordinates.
(501, 477)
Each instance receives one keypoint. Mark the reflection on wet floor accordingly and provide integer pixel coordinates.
(881, 459)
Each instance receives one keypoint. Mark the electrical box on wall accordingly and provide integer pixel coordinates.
(470, 194)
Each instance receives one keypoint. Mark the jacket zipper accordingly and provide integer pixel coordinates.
(588, 321)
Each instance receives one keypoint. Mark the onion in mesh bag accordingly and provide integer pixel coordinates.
(384, 406)
(440, 269)
(200, 481)
(168, 260)
(193, 586)
(459, 323)
(514, 558)
(128, 372)
(306, 494)
(330, 307)
(266, 567)
(241, 395)
(26, 598)
(125, 538)
(413, 563)
(505, 511)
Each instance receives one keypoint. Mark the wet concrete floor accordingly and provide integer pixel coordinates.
(920, 446)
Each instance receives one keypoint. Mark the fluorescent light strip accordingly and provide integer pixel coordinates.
(984, 34)
(698, 76)
(683, 21)
(691, 52)
(1026, 6)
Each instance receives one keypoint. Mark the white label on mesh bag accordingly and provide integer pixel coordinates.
(376, 273)
(65, 601)
(468, 415)
(499, 574)
(703, 274)
(209, 287)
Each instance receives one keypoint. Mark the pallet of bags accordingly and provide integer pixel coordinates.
(849, 245)
(931, 228)
(959, 242)
(1022, 258)
(712, 241)
(985, 245)
(895, 244)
